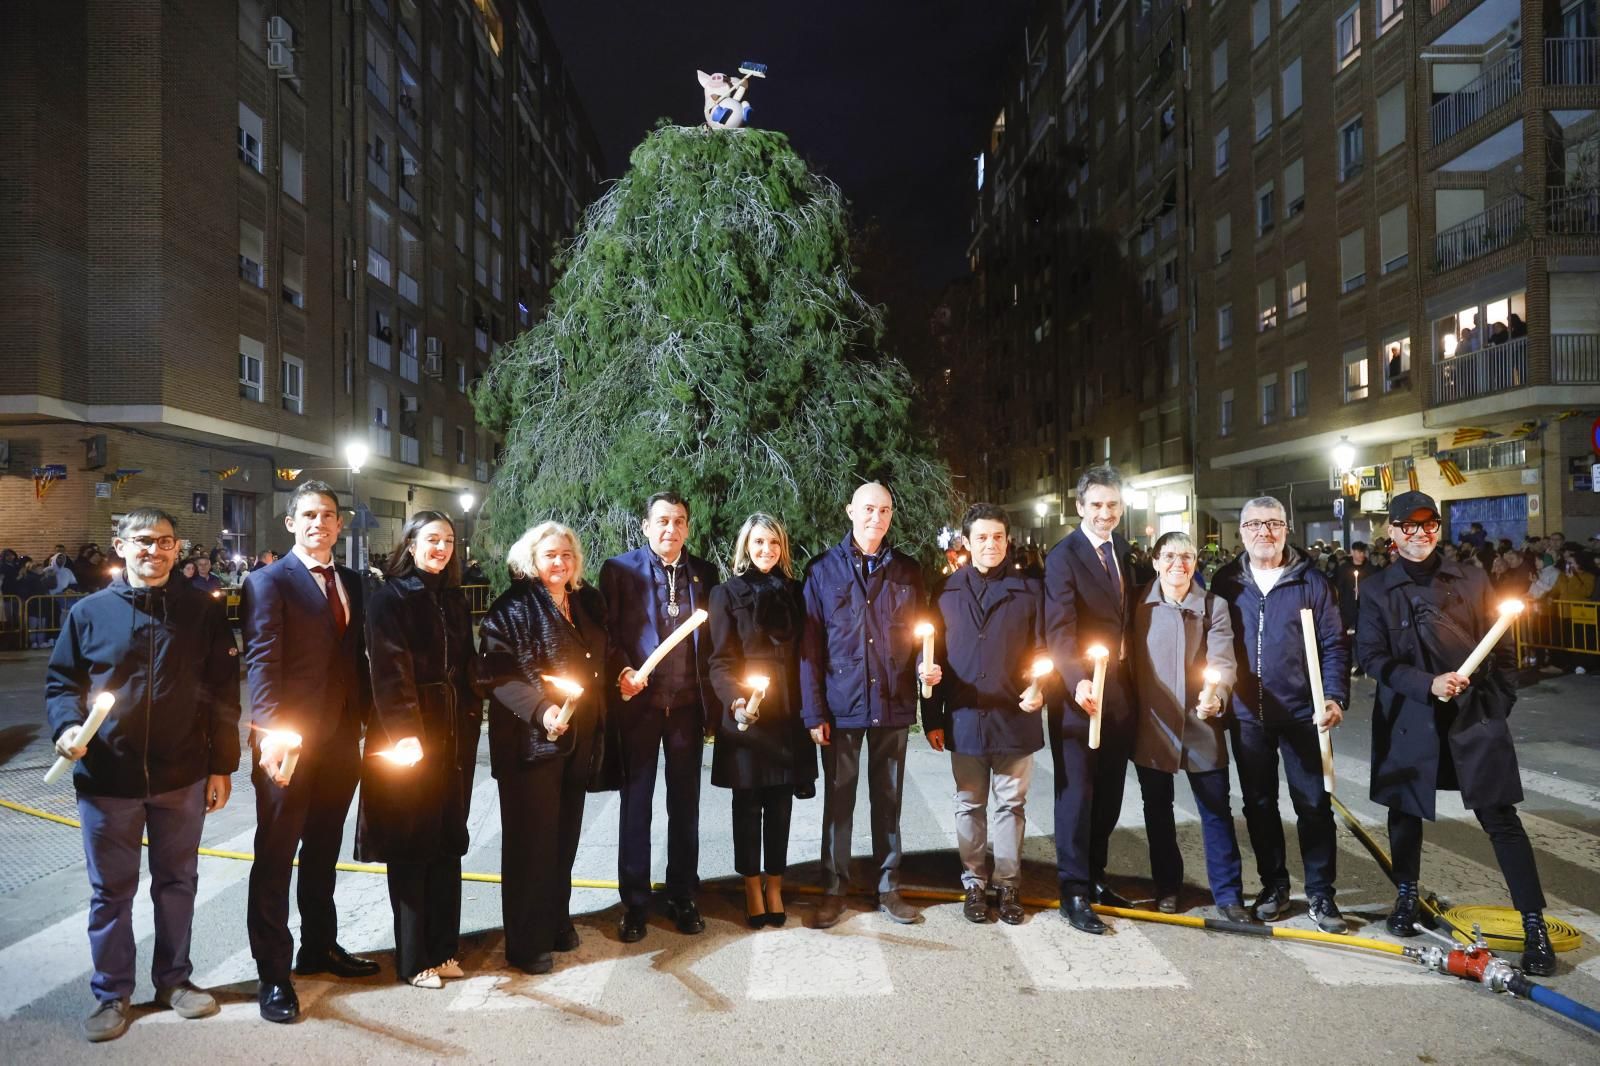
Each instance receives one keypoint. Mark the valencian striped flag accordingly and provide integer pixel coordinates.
(1470, 435)
(1386, 478)
(1411, 478)
(1451, 473)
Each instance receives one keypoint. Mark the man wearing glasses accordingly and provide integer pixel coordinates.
(1433, 727)
(1266, 588)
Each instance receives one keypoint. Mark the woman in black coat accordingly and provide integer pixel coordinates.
(422, 746)
(548, 625)
(756, 620)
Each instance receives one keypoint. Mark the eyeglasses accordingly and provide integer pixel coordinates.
(166, 544)
(1168, 558)
(1271, 525)
(1430, 527)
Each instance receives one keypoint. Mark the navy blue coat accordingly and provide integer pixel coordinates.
(858, 659)
(630, 596)
(986, 653)
(1274, 684)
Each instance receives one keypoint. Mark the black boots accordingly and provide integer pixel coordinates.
(1538, 957)
(1403, 919)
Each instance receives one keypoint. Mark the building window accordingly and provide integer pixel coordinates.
(1352, 150)
(1291, 88)
(461, 233)
(1294, 282)
(1396, 364)
(1224, 237)
(1513, 453)
(1390, 12)
(292, 383)
(1352, 260)
(461, 375)
(1225, 413)
(1287, 8)
(1219, 66)
(1269, 399)
(1263, 113)
(294, 282)
(1260, 22)
(1393, 239)
(1225, 326)
(1347, 37)
(1392, 118)
(1266, 305)
(378, 242)
(1220, 150)
(437, 436)
(1294, 188)
(293, 175)
(1265, 213)
(1355, 375)
(251, 354)
(250, 138)
(252, 254)
(461, 445)
(1299, 388)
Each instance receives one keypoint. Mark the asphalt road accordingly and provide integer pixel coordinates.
(868, 991)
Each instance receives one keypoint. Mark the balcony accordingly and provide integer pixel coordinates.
(381, 440)
(377, 88)
(378, 174)
(1466, 375)
(379, 267)
(1572, 61)
(1575, 358)
(409, 290)
(410, 451)
(1573, 209)
(408, 202)
(1169, 300)
(1496, 86)
(379, 353)
(408, 364)
(1479, 235)
(408, 43)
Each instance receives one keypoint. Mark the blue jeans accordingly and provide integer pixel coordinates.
(112, 829)
(1256, 747)
(1210, 788)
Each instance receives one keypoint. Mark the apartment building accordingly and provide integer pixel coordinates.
(1390, 241)
(241, 236)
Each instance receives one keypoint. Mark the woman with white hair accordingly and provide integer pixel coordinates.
(549, 625)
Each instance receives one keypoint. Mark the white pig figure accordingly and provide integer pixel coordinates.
(725, 107)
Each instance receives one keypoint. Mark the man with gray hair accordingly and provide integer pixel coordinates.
(1266, 589)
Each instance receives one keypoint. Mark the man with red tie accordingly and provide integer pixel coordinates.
(306, 660)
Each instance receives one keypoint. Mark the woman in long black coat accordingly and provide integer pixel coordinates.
(549, 624)
(757, 617)
(422, 746)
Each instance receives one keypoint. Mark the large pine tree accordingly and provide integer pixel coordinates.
(705, 337)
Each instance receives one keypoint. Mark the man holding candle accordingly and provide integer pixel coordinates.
(858, 688)
(649, 592)
(1439, 720)
(159, 763)
(985, 706)
(1348, 578)
(305, 655)
(1087, 605)
(1273, 713)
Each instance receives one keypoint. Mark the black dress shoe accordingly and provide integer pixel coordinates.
(1107, 896)
(756, 921)
(1538, 955)
(567, 939)
(1402, 921)
(337, 961)
(635, 922)
(1272, 904)
(1233, 912)
(685, 915)
(1078, 911)
(278, 1001)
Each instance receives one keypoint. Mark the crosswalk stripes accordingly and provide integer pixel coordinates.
(1058, 958)
(802, 963)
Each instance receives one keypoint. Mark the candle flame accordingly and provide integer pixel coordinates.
(567, 688)
(216, 594)
(283, 736)
(1098, 651)
(400, 758)
(1042, 665)
(924, 629)
(758, 682)
(1213, 677)
(104, 701)
(1512, 607)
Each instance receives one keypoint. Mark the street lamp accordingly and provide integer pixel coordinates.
(355, 453)
(1344, 458)
(466, 500)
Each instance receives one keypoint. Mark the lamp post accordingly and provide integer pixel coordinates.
(1040, 509)
(467, 500)
(1344, 458)
(355, 454)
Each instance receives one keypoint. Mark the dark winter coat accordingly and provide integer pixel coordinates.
(756, 623)
(168, 656)
(419, 642)
(1348, 581)
(524, 637)
(1269, 647)
(1408, 635)
(1084, 606)
(986, 653)
(1171, 646)
(858, 665)
(634, 622)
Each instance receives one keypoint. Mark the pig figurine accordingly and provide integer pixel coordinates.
(725, 108)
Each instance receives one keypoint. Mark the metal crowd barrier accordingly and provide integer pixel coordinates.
(479, 597)
(11, 624)
(1570, 626)
(43, 617)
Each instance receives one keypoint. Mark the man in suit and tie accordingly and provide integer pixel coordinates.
(1087, 602)
(306, 660)
(650, 592)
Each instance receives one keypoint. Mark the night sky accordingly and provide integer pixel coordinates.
(891, 99)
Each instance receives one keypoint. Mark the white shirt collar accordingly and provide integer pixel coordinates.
(308, 560)
(1094, 541)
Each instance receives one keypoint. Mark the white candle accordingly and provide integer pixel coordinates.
(91, 726)
(676, 637)
(1213, 679)
(1509, 610)
(752, 710)
(291, 758)
(1308, 630)
(925, 631)
(571, 689)
(1041, 667)
(1098, 689)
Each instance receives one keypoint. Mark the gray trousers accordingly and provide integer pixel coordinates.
(886, 779)
(1010, 776)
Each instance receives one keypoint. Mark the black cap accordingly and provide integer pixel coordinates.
(1407, 504)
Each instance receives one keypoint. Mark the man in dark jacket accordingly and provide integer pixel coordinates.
(650, 592)
(989, 621)
(1088, 601)
(1348, 579)
(858, 686)
(1433, 727)
(161, 761)
(1266, 589)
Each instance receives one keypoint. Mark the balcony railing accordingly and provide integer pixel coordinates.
(1477, 98)
(1479, 235)
(408, 202)
(1573, 208)
(379, 353)
(408, 364)
(408, 289)
(377, 88)
(378, 174)
(379, 267)
(1489, 370)
(382, 440)
(408, 43)
(410, 451)
(1575, 358)
(1572, 61)
(1169, 300)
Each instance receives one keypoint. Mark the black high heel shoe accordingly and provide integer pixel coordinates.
(757, 921)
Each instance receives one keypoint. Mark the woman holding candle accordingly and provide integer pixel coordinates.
(548, 624)
(756, 622)
(1181, 633)
(422, 746)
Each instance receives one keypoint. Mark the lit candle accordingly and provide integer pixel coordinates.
(571, 689)
(1041, 666)
(1308, 630)
(86, 732)
(676, 637)
(1098, 690)
(925, 631)
(1509, 610)
(291, 757)
(407, 756)
(752, 710)
(1213, 679)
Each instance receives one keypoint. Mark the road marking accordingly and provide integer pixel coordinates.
(814, 964)
(309, 991)
(1058, 958)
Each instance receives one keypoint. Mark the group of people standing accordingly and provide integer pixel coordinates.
(785, 669)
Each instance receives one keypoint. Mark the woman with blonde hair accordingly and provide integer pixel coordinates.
(550, 624)
(765, 757)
